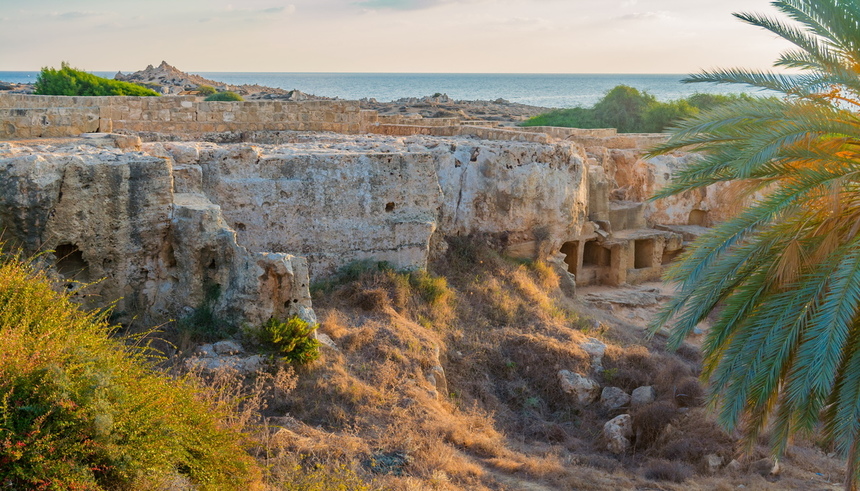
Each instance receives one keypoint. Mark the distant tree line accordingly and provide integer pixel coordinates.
(631, 111)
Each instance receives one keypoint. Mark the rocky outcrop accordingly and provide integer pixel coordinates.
(583, 389)
(338, 199)
(114, 222)
(166, 227)
(169, 80)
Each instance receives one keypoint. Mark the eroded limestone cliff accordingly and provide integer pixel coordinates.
(158, 225)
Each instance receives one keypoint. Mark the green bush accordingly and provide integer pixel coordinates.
(631, 111)
(575, 117)
(81, 410)
(660, 116)
(293, 339)
(202, 325)
(623, 108)
(206, 90)
(70, 81)
(225, 96)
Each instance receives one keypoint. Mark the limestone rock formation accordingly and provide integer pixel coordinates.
(617, 432)
(168, 227)
(613, 398)
(115, 223)
(642, 396)
(169, 80)
(583, 389)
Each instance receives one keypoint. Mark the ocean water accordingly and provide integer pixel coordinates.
(548, 90)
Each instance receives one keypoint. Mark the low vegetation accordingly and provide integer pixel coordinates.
(441, 379)
(225, 96)
(292, 340)
(631, 111)
(206, 90)
(73, 82)
(495, 416)
(82, 410)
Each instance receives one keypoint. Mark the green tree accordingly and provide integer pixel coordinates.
(623, 108)
(784, 351)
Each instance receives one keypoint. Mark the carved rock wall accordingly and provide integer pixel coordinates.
(113, 220)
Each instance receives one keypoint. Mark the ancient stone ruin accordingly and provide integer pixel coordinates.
(169, 203)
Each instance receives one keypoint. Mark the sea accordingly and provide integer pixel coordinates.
(546, 90)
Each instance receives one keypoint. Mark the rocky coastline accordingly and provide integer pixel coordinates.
(169, 80)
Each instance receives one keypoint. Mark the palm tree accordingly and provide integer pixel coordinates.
(782, 276)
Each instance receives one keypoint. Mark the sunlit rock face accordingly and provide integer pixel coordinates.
(113, 220)
(340, 199)
(163, 228)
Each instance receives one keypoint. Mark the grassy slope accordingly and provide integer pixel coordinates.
(81, 410)
(502, 330)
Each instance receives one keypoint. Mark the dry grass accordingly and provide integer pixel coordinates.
(502, 330)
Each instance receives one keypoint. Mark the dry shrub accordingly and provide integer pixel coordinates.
(649, 422)
(598, 461)
(629, 368)
(689, 353)
(371, 299)
(663, 470)
(335, 324)
(327, 395)
(251, 395)
(689, 393)
(537, 360)
(693, 436)
(545, 431)
(357, 339)
(671, 373)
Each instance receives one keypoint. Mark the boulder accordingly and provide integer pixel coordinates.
(583, 389)
(713, 462)
(227, 348)
(618, 431)
(595, 348)
(642, 396)
(613, 398)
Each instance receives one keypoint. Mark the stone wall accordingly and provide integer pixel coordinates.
(28, 116)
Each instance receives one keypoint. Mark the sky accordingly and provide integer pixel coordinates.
(418, 36)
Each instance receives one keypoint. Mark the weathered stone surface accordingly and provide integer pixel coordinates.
(176, 222)
(335, 200)
(613, 398)
(246, 365)
(227, 348)
(713, 462)
(113, 219)
(595, 348)
(583, 389)
(642, 396)
(512, 189)
(617, 432)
